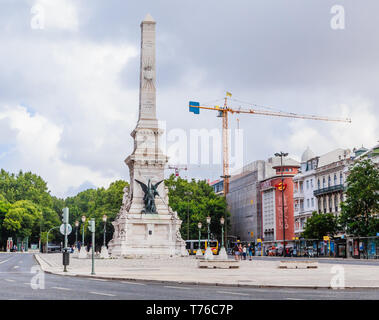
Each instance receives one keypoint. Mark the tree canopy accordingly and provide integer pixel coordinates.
(319, 225)
(360, 210)
(199, 200)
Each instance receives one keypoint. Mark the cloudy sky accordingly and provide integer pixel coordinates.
(69, 79)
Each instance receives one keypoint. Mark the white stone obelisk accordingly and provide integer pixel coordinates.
(136, 232)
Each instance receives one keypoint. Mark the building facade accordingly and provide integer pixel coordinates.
(331, 175)
(273, 204)
(244, 200)
(304, 185)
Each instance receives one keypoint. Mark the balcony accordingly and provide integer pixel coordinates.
(298, 194)
(319, 192)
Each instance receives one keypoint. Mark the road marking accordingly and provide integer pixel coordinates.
(98, 279)
(237, 293)
(103, 294)
(184, 288)
(140, 284)
(9, 280)
(16, 267)
(294, 299)
(60, 288)
(4, 261)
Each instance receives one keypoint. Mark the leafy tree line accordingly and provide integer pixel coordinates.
(194, 201)
(359, 212)
(27, 209)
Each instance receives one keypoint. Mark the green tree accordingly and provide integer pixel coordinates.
(4, 207)
(22, 219)
(359, 213)
(319, 225)
(24, 186)
(94, 203)
(201, 202)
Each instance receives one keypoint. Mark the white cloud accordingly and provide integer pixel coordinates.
(57, 14)
(326, 136)
(37, 149)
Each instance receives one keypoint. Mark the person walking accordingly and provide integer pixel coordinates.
(250, 251)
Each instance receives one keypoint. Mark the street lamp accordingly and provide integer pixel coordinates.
(76, 233)
(199, 252)
(222, 221)
(208, 252)
(281, 155)
(188, 194)
(83, 220)
(105, 223)
(222, 255)
(208, 222)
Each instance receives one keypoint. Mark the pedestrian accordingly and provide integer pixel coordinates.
(250, 251)
(244, 252)
(240, 251)
(236, 251)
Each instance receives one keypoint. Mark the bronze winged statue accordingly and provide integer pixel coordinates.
(150, 191)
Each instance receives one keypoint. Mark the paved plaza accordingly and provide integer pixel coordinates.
(256, 273)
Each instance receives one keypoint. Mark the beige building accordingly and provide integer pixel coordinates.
(331, 175)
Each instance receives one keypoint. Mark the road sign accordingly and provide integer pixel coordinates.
(259, 240)
(326, 238)
(62, 231)
(91, 226)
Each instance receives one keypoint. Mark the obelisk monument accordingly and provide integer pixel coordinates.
(146, 225)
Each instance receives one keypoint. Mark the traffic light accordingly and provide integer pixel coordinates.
(65, 215)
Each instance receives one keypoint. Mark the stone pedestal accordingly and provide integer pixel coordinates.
(199, 253)
(104, 253)
(222, 255)
(208, 255)
(83, 253)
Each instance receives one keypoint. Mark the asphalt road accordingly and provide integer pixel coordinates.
(18, 275)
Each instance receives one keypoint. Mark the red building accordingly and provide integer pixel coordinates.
(272, 205)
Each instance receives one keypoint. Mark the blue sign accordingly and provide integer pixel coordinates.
(194, 107)
(377, 234)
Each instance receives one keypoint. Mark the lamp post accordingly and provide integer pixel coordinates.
(208, 252)
(222, 221)
(199, 252)
(83, 251)
(208, 222)
(104, 251)
(281, 155)
(83, 221)
(188, 194)
(76, 233)
(222, 254)
(105, 230)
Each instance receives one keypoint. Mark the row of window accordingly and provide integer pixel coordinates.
(330, 181)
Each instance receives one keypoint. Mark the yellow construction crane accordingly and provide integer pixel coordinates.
(225, 110)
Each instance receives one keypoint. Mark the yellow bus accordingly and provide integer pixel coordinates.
(193, 245)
